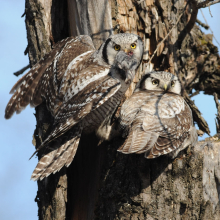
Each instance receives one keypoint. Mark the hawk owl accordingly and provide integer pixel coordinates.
(82, 88)
(156, 119)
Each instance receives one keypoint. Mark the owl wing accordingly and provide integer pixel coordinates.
(50, 86)
(132, 115)
(131, 108)
(174, 130)
(82, 103)
(79, 100)
(46, 75)
(158, 125)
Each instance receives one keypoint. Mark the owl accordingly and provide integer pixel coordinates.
(156, 119)
(82, 88)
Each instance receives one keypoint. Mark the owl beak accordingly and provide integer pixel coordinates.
(128, 52)
(165, 87)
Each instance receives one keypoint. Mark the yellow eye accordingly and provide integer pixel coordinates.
(155, 82)
(172, 83)
(117, 47)
(133, 46)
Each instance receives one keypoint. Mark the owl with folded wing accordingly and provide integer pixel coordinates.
(156, 119)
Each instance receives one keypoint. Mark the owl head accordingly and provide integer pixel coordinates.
(160, 81)
(124, 46)
(124, 52)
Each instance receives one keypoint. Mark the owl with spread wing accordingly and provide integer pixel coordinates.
(82, 88)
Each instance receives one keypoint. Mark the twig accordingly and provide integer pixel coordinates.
(207, 3)
(202, 24)
(210, 12)
(22, 70)
(217, 120)
(209, 26)
(197, 116)
(194, 94)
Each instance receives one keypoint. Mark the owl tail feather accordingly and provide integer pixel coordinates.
(56, 159)
(57, 132)
(138, 141)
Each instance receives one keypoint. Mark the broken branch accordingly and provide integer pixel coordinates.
(22, 70)
(217, 120)
(207, 3)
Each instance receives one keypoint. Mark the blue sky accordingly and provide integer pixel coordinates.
(17, 192)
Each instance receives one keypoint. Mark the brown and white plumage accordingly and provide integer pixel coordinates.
(58, 155)
(44, 78)
(82, 88)
(157, 121)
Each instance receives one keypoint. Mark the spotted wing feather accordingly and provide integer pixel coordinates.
(48, 88)
(54, 159)
(137, 140)
(89, 99)
(162, 122)
(41, 73)
(175, 129)
(80, 105)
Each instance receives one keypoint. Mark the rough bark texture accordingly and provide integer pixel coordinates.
(92, 18)
(184, 188)
(47, 23)
(104, 184)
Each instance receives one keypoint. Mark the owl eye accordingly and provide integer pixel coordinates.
(133, 46)
(117, 47)
(155, 82)
(172, 83)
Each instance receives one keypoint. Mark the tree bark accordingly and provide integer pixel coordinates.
(104, 184)
(185, 188)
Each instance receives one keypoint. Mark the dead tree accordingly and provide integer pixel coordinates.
(101, 183)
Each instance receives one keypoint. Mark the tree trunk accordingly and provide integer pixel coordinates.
(104, 184)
